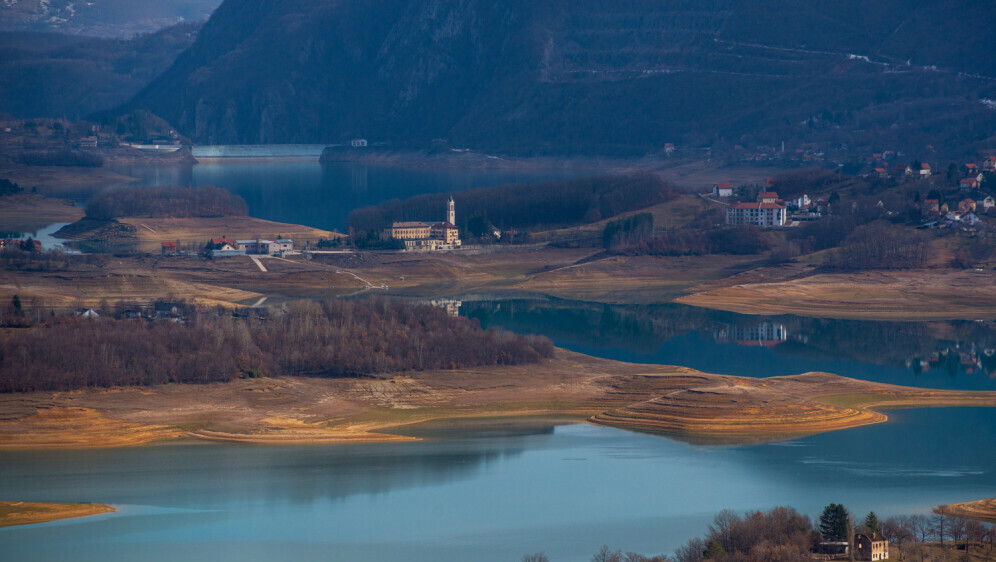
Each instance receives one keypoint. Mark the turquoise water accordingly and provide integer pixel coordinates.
(480, 496)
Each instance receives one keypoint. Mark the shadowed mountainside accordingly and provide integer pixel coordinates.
(595, 76)
(100, 18)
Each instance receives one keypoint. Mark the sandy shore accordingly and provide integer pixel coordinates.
(916, 295)
(682, 403)
(982, 510)
(26, 513)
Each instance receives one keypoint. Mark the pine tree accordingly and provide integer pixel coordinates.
(833, 523)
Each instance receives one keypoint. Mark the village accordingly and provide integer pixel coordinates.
(959, 205)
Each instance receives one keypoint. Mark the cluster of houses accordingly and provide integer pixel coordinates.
(28, 245)
(225, 247)
(970, 362)
(774, 154)
(161, 311)
(425, 236)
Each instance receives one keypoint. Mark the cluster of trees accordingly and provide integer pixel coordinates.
(628, 230)
(526, 205)
(176, 202)
(328, 339)
(880, 245)
(63, 157)
(736, 240)
(782, 534)
(8, 187)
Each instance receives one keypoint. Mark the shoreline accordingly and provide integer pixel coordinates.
(29, 513)
(981, 510)
(678, 402)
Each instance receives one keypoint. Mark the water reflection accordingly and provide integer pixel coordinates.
(938, 354)
(323, 195)
(472, 497)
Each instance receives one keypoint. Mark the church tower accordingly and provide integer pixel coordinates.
(451, 212)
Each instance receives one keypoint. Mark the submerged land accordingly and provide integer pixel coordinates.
(27, 513)
(681, 403)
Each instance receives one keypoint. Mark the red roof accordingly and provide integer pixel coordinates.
(880, 170)
(971, 166)
(169, 244)
(925, 166)
(447, 225)
(410, 224)
(768, 195)
(724, 186)
(756, 206)
(223, 241)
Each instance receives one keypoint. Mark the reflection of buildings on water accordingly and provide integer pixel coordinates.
(955, 360)
(360, 179)
(452, 306)
(765, 334)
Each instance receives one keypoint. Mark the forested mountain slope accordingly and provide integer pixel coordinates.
(588, 76)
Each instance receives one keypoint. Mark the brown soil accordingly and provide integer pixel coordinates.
(982, 510)
(26, 513)
(55, 180)
(151, 232)
(29, 212)
(919, 294)
(683, 403)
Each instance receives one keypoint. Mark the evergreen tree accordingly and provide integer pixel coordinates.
(833, 523)
(873, 524)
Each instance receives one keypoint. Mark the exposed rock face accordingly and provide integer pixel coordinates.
(101, 18)
(594, 75)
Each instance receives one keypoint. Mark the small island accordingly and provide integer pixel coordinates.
(27, 513)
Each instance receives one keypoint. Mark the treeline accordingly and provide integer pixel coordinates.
(880, 246)
(327, 339)
(782, 534)
(64, 157)
(173, 202)
(8, 187)
(526, 205)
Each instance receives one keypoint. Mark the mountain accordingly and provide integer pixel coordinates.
(101, 18)
(587, 76)
(57, 75)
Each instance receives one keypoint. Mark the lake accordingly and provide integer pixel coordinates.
(322, 195)
(484, 496)
(956, 355)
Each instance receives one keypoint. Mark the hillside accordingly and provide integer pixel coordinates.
(65, 76)
(594, 76)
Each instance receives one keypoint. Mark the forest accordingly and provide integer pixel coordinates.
(174, 202)
(324, 339)
(525, 206)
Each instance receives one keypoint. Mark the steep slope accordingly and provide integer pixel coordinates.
(50, 75)
(101, 18)
(593, 75)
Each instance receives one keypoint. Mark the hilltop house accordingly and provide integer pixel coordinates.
(722, 190)
(755, 214)
(871, 548)
(925, 170)
(358, 143)
(989, 164)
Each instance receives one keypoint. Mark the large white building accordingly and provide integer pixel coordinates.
(755, 214)
(425, 236)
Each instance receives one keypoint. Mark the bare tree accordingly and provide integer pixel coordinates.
(606, 555)
(535, 557)
(921, 527)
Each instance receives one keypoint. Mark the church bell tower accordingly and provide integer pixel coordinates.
(451, 212)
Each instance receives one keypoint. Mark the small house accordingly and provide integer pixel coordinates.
(722, 190)
(931, 205)
(925, 170)
(986, 203)
(881, 173)
(358, 143)
(968, 184)
(767, 197)
(966, 206)
(170, 249)
(989, 164)
(871, 548)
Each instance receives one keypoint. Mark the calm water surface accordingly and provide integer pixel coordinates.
(322, 195)
(941, 354)
(488, 497)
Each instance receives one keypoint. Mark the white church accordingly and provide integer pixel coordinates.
(425, 236)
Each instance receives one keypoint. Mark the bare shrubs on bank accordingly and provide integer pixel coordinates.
(327, 339)
(172, 202)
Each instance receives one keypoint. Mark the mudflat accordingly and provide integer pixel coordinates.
(679, 402)
(29, 212)
(26, 513)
